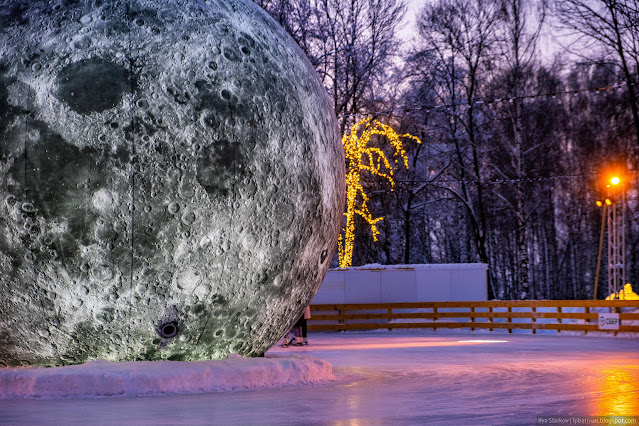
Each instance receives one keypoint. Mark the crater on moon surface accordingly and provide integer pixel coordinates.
(171, 180)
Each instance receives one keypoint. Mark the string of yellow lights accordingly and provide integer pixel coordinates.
(360, 157)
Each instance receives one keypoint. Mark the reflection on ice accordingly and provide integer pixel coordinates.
(618, 390)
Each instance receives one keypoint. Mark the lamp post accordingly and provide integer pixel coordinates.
(614, 214)
(616, 236)
(601, 236)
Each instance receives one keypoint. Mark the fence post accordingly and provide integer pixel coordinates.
(587, 320)
(472, 317)
(559, 319)
(534, 319)
(510, 320)
(490, 318)
(435, 319)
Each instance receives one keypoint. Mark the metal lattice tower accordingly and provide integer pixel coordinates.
(617, 244)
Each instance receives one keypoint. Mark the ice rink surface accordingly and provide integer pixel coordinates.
(397, 378)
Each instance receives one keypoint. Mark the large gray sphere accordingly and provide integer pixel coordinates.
(171, 180)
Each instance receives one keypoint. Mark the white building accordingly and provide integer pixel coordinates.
(404, 283)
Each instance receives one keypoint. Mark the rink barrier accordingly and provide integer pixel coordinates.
(559, 315)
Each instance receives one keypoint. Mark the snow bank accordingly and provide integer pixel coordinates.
(145, 378)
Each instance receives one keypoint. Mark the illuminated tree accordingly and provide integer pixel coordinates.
(360, 157)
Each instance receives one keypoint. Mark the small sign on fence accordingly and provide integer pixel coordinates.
(608, 321)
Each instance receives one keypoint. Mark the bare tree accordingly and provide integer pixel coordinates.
(460, 35)
(518, 33)
(359, 46)
(612, 24)
(352, 44)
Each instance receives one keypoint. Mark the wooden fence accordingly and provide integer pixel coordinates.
(560, 315)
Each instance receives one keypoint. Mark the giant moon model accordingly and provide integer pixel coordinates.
(171, 180)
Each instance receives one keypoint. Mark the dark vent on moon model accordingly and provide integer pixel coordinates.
(168, 330)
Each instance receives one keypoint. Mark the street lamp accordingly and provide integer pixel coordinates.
(617, 236)
(614, 212)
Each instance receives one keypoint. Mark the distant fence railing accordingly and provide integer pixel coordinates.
(559, 315)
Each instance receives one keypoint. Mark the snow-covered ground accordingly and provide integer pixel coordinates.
(397, 378)
(146, 378)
